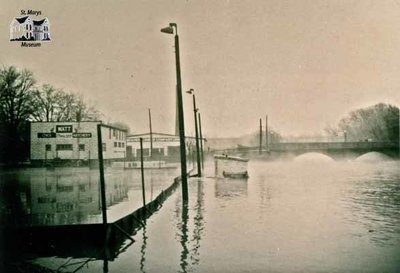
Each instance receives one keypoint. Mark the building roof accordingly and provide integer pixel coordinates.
(38, 23)
(22, 19)
(88, 121)
(154, 133)
(160, 134)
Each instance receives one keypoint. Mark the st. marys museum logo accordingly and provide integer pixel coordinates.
(30, 32)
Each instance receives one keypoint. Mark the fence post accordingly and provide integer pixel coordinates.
(142, 171)
(101, 170)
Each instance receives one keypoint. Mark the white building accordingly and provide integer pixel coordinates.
(27, 29)
(165, 146)
(75, 141)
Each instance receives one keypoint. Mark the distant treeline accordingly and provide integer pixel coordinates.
(22, 101)
(379, 122)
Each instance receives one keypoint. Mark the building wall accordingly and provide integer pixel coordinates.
(18, 30)
(74, 141)
(161, 143)
(115, 142)
(165, 145)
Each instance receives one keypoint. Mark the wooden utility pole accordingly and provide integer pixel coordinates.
(201, 142)
(101, 170)
(142, 171)
(260, 148)
(151, 135)
(266, 134)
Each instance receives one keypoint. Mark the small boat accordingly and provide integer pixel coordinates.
(231, 166)
(236, 175)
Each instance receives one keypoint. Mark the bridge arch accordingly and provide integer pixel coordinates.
(374, 156)
(314, 156)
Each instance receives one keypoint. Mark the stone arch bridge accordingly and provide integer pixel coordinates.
(336, 150)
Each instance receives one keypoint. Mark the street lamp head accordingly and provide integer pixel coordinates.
(168, 30)
(190, 91)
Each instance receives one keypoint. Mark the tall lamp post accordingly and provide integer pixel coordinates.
(170, 30)
(191, 91)
(201, 142)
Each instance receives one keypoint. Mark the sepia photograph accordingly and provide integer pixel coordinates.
(211, 136)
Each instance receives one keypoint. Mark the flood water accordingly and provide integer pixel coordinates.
(300, 216)
(65, 196)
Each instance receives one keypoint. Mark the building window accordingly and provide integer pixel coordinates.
(109, 133)
(115, 144)
(122, 145)
(119, 144)
(104, 147)
(64, 147)
(81, 147)
(113, 132)
(48, 147)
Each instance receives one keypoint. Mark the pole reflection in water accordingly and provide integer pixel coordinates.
(190, 253)
(198, 224)
(143, 249)
(105, 260)
(184, 236)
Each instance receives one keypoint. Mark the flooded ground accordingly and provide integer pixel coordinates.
(301, 216)
(65, 196)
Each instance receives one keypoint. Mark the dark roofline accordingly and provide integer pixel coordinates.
(154, 133)
(113, 127)
(21, 20)
(39, 22)
(162, 134)
(88, 121)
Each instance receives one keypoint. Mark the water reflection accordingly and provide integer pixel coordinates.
(228, 187)
(198, 224)
(143, 249)
(72, 195)
(72, 199)
(56, 197)
(190, 248)
(184, 237)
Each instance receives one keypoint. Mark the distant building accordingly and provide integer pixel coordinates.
(27, 29)
(75, 142)
(165, 146)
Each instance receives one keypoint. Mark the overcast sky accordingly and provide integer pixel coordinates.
(304, 63)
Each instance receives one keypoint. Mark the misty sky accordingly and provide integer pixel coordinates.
(304, 63)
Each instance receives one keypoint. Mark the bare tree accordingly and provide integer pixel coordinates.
(16, 107)
(47, 100)
(84, 112)
(16, 96)
(57, 105)
(379, 122)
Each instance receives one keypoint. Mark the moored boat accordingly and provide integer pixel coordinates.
(236, 175)
(230, 166)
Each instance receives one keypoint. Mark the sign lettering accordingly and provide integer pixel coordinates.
(64, 128)
(46, 135)
(82, 135)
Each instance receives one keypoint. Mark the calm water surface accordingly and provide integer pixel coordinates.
(287, 217)
(72, 195)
